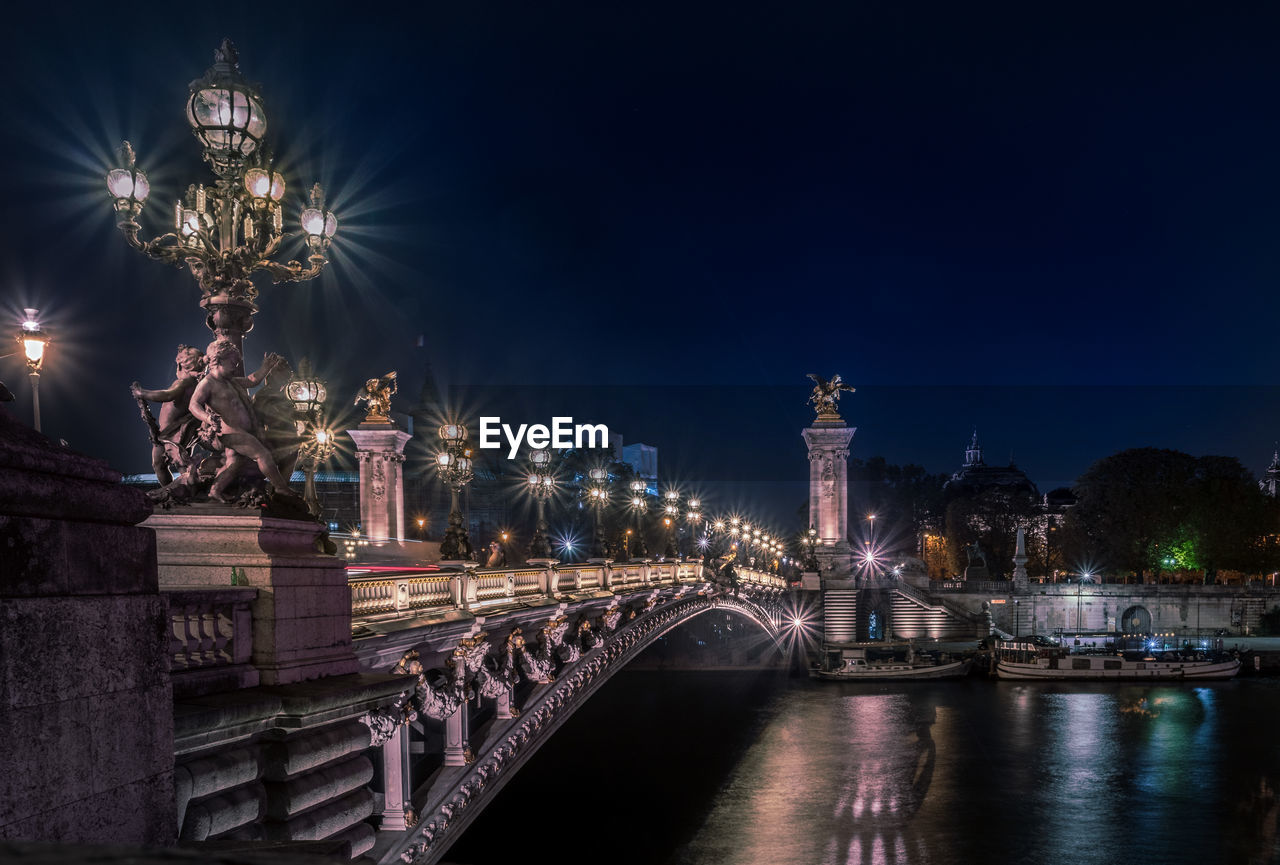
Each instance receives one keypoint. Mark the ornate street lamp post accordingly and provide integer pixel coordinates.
(694, 515)
(639, 506)
(810, 554)
(597, 497)
(315, 452)
(454, 466)
(671, 513)
(541, 485)
(307, 392)
(33, 340)
(227, 232)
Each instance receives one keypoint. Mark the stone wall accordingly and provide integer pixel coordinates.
(85, 701)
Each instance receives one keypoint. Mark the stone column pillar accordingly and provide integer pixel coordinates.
(456, 750)
(380, 449)
(828, 442)
(394, 766)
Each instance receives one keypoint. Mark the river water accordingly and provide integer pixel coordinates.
(757, 768)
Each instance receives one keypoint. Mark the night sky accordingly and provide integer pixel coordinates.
(1054, 222)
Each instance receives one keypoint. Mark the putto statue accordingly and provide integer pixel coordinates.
(175, 433)
(210, 431)
(376, 394)
(826, 394)
(229, 424)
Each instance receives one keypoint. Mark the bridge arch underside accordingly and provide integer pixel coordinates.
(449, 798)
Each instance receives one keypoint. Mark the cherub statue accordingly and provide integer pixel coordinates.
(376, 394)
(175, 432)
(826, 394)
(228, 422)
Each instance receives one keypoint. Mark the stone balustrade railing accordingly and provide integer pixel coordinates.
(210, 639)
(478, 589)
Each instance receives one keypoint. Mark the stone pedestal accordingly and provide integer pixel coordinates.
(828, 440)
(302, 614)
(380, 449)
(86, 711)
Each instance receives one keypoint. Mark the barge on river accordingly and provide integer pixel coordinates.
(856, 667)
(1023, 660)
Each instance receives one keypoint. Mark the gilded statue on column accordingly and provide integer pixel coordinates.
(826, 394)
(376, 395)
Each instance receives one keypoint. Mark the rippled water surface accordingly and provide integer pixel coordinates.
(748, 769)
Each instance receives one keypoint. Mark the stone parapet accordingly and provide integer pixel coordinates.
(302, 612)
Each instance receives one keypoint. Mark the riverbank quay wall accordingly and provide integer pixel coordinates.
(871, 610)
(1047, 608)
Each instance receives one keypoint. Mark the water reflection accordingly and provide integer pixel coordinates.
(930, 774)
(941, 774)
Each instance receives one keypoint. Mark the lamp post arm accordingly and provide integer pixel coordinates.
(293, 271)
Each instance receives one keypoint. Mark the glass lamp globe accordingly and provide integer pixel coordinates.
(452, 432)
(225, 111)
(128, 184)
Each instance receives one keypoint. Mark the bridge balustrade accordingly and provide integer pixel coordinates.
(377, 595)
(210, 638)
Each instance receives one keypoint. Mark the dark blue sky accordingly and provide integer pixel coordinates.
(939, 201)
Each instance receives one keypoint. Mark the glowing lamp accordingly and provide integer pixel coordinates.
(452, 432)
(263, 184)
(33, 338)
(540, 458)
(128, 184)
(305, 391)
(225, 111)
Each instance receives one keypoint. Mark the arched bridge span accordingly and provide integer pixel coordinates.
(509, 684)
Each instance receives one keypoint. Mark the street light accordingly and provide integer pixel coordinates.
(541, 484)
(597, 497)
(671, 513)
(227, 232)
(34, 340)
(693, 516)
(811, 543)
(307, 392)
(313, 453)
(639, 507)
(453, 464)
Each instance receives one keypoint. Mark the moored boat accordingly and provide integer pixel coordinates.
(1022, 660)
(857, 667)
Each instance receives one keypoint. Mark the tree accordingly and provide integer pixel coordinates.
(1149, 509)
(992, 518)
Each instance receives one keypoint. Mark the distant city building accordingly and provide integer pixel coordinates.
(975, 475)
(644, 459)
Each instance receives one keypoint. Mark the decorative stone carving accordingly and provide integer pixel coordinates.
(437, 694)
(496, 678)
(382, 724)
